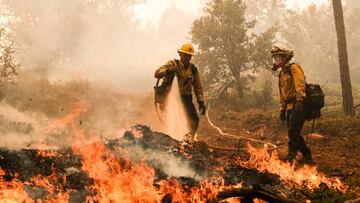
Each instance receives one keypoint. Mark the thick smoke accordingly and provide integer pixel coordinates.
(93, 52)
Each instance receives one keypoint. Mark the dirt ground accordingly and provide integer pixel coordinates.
(336, 154)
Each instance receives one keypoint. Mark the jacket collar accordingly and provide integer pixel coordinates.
(286, 68)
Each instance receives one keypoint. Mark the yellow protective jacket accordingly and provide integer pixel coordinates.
(291, 85)
(187, 78)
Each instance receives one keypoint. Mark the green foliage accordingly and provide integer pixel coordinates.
(229, 54)
(9, 67)
(311, 33)
(353, 33)
(264, 98)
(265, 12)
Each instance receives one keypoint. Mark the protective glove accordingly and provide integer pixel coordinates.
(202, 107)
(283, 115)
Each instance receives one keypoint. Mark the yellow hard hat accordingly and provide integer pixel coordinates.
(187, 49)
(289, 54)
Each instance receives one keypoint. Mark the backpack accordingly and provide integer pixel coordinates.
(314, 100)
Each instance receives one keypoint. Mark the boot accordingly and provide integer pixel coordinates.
(307, 158)
(290, 157)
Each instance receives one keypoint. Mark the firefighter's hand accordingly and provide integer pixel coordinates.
(283, 115)
(202, 107)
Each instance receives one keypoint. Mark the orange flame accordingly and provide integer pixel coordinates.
(116, 181)
(68, 120)
(12, 191)
(307, 175)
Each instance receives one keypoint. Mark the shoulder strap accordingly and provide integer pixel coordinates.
(157, 82)
(194, 69)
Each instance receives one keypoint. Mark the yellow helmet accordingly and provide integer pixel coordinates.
(187, 49)
(289, 54)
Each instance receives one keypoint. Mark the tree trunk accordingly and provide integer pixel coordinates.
(348, 103)
(238, 83)
(239, 87)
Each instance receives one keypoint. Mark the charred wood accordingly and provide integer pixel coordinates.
(256, 192)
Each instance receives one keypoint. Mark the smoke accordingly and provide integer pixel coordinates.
(176, 121)
(100, 41)
(37, 112)
(95, 52)
(171, 165)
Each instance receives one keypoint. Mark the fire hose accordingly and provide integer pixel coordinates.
(267, 145)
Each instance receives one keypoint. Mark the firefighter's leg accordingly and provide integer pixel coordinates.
(192, 116)
(292, 150)
(296, 124)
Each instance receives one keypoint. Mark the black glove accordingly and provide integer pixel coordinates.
(202, 107)
(283, 115)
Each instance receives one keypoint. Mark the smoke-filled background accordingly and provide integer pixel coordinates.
(99, 56)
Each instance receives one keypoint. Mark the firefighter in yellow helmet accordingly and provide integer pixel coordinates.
(292, 94)
(188, 78)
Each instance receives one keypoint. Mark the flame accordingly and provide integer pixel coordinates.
(48, 184)
(68, 120)
(118, 179)
(307, 175)
(12, 191)
(47, 153)
(115, 180)
(176, 120)
(207, 190)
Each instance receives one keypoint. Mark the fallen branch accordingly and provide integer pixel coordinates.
(252, 193)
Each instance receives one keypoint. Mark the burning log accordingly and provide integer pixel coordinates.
(255, 192)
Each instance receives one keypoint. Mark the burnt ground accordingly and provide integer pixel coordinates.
(65, 164)
(336, 154)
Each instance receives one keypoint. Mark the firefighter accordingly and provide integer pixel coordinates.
(188, 78)
(292, 94)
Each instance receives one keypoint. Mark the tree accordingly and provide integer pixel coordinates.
(9, 67)
(352, 35)
(348, 103)
(265, 12)
(308, 33)
(227, 48)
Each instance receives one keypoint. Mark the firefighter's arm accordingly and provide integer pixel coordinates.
(198, 86)
(162, 71)
(299, 81)
(281, 99)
